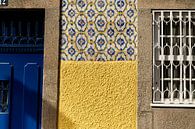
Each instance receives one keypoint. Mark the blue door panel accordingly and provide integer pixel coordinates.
(31, 88)
(5, 71)
(26, 91)
(4, 121)
(5, 75)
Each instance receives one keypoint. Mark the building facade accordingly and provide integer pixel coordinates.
(99, 64)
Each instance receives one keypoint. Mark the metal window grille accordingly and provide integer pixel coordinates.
(173, 58)
(4, 96)
(21, 31)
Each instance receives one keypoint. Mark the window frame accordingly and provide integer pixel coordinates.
(162, 103)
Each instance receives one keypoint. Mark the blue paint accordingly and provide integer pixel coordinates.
(5, 75)
(26, 90)
(30, 105)
(4, 121)
(21, 51)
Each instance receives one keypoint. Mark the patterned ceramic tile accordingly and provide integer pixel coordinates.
(99, 30)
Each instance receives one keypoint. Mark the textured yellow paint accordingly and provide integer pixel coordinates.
(98, 95)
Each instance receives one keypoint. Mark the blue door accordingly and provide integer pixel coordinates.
(21, 68)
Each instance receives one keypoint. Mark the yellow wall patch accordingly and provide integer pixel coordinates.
(98, 95)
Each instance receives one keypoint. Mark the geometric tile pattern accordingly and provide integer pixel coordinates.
(99, 30)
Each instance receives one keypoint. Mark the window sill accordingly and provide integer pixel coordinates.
(173, 105)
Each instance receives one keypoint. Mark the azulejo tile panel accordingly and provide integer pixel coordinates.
(99, 30)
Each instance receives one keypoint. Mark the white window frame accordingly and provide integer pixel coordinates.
(173, 58)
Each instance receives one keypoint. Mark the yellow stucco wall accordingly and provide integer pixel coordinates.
(98, 95)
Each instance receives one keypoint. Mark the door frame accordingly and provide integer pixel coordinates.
(51, 56)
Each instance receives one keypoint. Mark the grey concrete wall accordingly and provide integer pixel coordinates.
(51, 55)
(148, 117)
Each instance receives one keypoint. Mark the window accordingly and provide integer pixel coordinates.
(4, 96)
(21, 31)
(174, 58)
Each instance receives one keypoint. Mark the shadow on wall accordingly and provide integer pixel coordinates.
(67, 122)
(29, 108)
(49, 117)
(25, 102)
